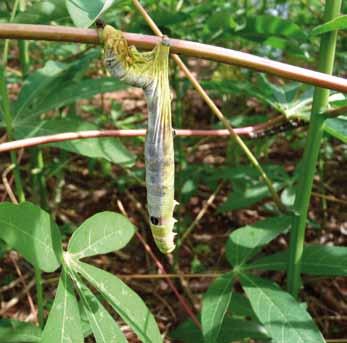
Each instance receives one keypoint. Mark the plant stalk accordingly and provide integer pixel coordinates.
(39, 295)
(193, 49)
(8, 118)
(311, 152)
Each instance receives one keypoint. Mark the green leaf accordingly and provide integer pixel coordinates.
(124, 301)
(338, 23)
(30, 230)
(85, 12)
(245, 198)
(15, 331)
(245, 242)
(240, 329)
(105, 329)
(101, 234)
(63, 323)
(45, 86)
(264, 26)
(337, 127)
(43, 12)
(214, 307)
(187, 332)
(248, 188)
(316, 260)
(232, 330)
(283, 317)
(108, 148)
(240, 306)
(75, 91)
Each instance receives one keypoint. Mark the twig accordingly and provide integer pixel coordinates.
(202, 212)
(247, 131)
(7, 185)
(331, 198)
(170, 276)
(13, 283)
(214, 109)
(205, 51)
(15, 300)
(30, 300)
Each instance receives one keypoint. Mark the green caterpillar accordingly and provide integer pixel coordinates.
(149, 70)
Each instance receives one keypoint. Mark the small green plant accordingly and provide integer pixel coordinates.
(30, 230)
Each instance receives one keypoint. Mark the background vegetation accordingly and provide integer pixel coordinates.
(227, 279)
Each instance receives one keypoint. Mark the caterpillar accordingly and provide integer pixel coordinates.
(283, 126)
(149, 71)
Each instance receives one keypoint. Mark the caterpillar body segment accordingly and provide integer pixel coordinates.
(150, 71)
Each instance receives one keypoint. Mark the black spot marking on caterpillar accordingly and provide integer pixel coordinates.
(154, 220)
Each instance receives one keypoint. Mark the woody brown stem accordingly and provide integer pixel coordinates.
(193, 49)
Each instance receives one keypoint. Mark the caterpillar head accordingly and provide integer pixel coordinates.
(163, 234)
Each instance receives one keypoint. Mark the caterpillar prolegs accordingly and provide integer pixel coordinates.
(149, 70)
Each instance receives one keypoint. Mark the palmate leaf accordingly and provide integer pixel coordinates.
(285, 319)
(108, 148)
(214, 307)
(63, 323)
(246, 241)
(85, 12)
(101, 234)
(31, 231)
(104, 327)
(123, 300)
(316, 260)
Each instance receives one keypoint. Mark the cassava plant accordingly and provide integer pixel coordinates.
(45, 112)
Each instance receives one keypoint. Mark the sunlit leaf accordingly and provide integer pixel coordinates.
(85, 12)
(246, 241)
(283, 317)
(124, 301)
(101, 234)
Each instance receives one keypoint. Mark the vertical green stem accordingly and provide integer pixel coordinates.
(5, 102)
(302, 200)
(39, 180)
(39, 295)
(8, 118)
(24, 57)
